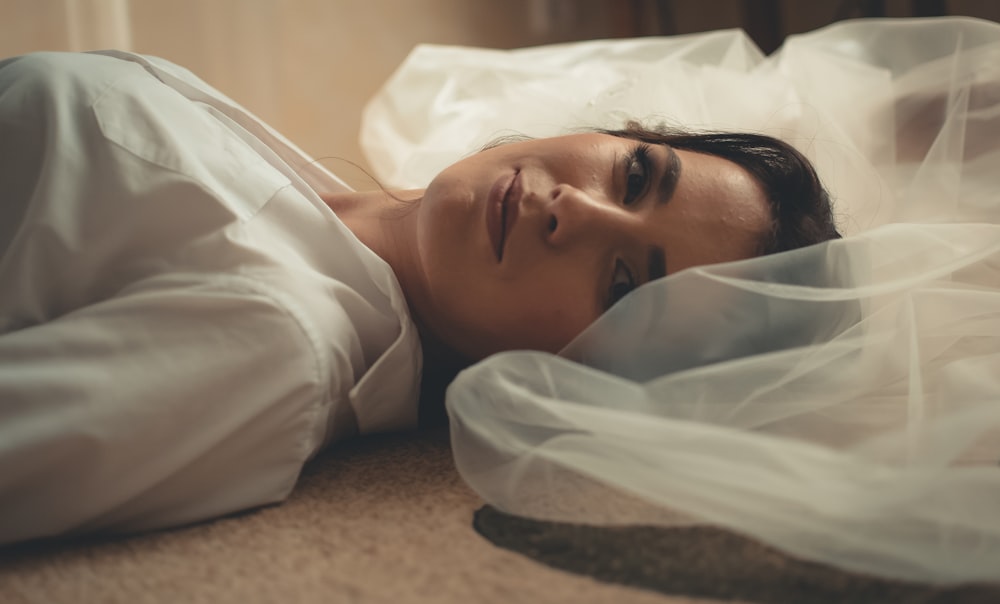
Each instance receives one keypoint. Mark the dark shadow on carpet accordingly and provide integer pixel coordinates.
(705, 562)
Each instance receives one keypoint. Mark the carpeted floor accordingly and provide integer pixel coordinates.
(383, 519)
(387, 519)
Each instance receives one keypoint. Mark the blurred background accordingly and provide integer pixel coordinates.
(307, 67)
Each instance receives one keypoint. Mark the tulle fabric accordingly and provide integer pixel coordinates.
(840, 402)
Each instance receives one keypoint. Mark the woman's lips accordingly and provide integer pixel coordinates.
(501, 210)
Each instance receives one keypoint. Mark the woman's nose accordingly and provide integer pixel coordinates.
(574, 214)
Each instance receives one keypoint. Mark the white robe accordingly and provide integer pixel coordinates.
(183, 321)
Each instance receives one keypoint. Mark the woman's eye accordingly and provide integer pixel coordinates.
(622, 282)
(636, 174)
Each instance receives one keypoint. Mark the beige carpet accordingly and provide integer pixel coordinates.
(388, 519)
(378, 520)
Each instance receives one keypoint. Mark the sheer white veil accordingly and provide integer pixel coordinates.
(840, 402)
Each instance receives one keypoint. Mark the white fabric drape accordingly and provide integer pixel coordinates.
(840, 402)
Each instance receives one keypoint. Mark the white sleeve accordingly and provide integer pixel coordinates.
(172, 403)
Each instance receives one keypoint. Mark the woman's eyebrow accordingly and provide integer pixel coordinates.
(656, 262)
(671, 174)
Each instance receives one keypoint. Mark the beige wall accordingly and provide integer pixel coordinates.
(308, 66)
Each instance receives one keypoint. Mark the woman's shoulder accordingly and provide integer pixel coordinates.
(365, 351)
(38, 75)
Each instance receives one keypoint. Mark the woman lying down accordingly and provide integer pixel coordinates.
(656, 326)
(191, 309)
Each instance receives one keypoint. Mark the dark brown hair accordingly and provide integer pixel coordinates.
(800, 206)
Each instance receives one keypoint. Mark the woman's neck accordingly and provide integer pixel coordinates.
(382, 220)
(386, 222)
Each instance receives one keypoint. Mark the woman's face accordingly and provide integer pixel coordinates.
(524, 245)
